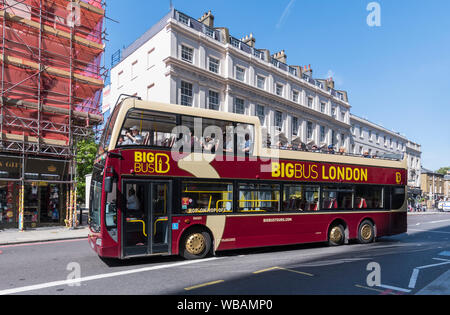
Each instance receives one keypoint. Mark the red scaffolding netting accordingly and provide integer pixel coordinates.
(51, 75)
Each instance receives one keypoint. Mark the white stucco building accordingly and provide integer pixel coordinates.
(182, 60)
(379, 141)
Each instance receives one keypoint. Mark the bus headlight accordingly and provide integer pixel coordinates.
(98, 242)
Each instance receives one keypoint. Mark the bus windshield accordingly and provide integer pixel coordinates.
(96, 199)
(143, 128)
(153, 129)
(107, 134)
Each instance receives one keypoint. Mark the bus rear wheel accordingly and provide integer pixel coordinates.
(366, 232)
(196, 245)
(336, 235)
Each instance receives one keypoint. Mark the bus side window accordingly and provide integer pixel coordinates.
(200, 197)
(259, 198)
(368, 197)
(294, 198)
(398, 197)
(312, 198)
(209, 136)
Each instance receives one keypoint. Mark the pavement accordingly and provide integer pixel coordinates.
(441, 286)
(431, 211)
(38, 235)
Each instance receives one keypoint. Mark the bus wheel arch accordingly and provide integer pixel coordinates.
(338, 233)
(196, 242)
(367, 231)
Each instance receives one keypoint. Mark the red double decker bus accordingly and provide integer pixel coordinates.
(173, 180)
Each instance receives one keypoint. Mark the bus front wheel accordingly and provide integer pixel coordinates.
(196, 244)
(336, 235)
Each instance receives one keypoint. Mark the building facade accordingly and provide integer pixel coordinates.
(447, 187)
(185, 61)
(432, 187)
(375, 140)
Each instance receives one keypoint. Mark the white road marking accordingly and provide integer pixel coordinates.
(431, 222)
(101, 276)
(413, 280)
(442, 221)
(415, 274)
(416, 230)
(394, 288)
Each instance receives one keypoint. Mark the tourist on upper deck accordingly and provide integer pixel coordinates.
(331, 150)
(209, 145)
(247, 145)
(315, 148)
(134, 137)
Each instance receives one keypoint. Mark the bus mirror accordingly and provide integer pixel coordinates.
(109, 184)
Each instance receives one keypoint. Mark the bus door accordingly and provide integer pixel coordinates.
(160, 208)
(146, 218)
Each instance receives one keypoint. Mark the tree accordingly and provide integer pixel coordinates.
(86, 153)
(443, 170)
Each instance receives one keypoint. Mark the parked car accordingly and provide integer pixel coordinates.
(446, 206)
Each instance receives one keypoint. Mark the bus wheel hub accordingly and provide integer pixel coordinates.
(336, 234)
(366, 232)
(195, 244)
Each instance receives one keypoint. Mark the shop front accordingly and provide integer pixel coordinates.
(45, 186)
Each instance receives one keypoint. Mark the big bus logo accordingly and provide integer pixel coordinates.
(398, 178)
(148, 162)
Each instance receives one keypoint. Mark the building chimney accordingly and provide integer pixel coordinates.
(207, 19)
(307, 70)
(249, 40)
(330, 83)
(280, 56)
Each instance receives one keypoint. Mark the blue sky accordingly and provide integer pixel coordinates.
(397, 75)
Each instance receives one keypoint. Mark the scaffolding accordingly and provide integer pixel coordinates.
(51, 78)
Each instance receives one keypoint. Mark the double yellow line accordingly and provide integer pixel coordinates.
(283, 269)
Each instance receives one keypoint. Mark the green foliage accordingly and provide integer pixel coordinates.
(86, 153)
(443, 170)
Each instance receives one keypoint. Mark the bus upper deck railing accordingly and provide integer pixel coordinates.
(386, 156)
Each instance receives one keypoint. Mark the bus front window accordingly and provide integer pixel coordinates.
(111, 213)
(148, 129)
(96, 205)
